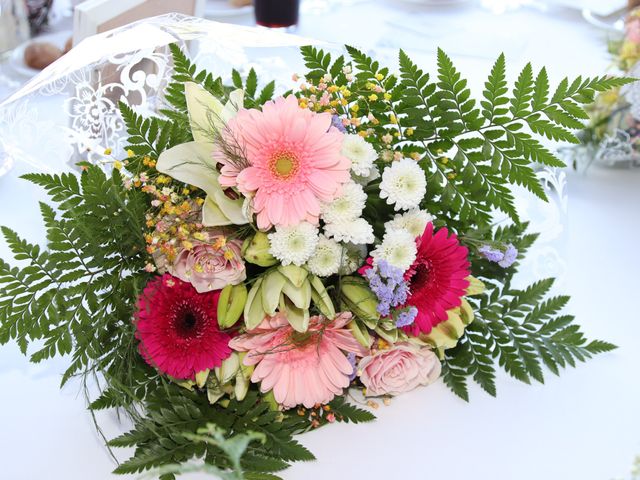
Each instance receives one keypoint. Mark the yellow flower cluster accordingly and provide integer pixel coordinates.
(356, 110)
(174, 226)
(324, 97)
(173, 222)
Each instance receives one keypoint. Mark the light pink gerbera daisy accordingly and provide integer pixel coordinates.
(291, 161)
(301, 368)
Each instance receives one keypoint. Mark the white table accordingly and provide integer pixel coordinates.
(585, 425)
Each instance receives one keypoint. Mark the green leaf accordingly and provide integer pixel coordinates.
(541, 91)
(346, 412)
(251, 83)
(185, 71)
(495, 89)
(455, 378)
(172, 433)
(458, 108)
(523, 332)
(266, 93)
(523, 92)
(600, 346)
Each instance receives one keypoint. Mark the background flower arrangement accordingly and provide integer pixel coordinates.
(612, 133)
(253, 258)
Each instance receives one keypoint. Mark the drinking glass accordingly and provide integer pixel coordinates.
(277, 13)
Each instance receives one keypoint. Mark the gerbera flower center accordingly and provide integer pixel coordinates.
(188, 323)
(284, 164)
(302, 339)
(421, 276)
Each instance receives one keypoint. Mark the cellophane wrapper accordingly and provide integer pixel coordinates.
(69, 112)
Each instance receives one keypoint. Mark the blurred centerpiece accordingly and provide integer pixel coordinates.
(612, 136)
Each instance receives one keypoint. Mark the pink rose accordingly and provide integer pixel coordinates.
(211, 266)
(402, 368)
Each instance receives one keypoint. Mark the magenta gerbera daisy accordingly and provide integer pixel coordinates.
(292, 161)
(438, 278)
(178, 328)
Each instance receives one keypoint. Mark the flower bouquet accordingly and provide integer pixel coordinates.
(254, 260)
(612, 134)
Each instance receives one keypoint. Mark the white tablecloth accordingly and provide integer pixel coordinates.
(585, 425)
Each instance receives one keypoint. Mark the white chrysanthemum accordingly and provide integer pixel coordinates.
(374, 174)
(327, 258)
(414, 221)
(356, 231)
(353, 256)
(403, 184)
(348, 206)
(294, 244)
(398, 248)
(360, 152)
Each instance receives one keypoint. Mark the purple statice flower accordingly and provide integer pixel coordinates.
(510, 256)
(401, 293)
(406, 317)
(390, 272)
(336, 121)
(375, 280)
(352, 360)
(384, 308)
(384, 293)
(388, 285)
(490, 253)
(504, 258)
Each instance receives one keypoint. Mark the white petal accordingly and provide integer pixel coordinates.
(205, 112)
(212, 216)
(233, 209)
(235, 103)
(192, 163)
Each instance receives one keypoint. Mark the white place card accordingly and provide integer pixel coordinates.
(97, 16)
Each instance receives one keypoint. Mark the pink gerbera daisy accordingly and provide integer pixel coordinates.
(178, 328)
(438, 278)
(291, 161)
(301, 368)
